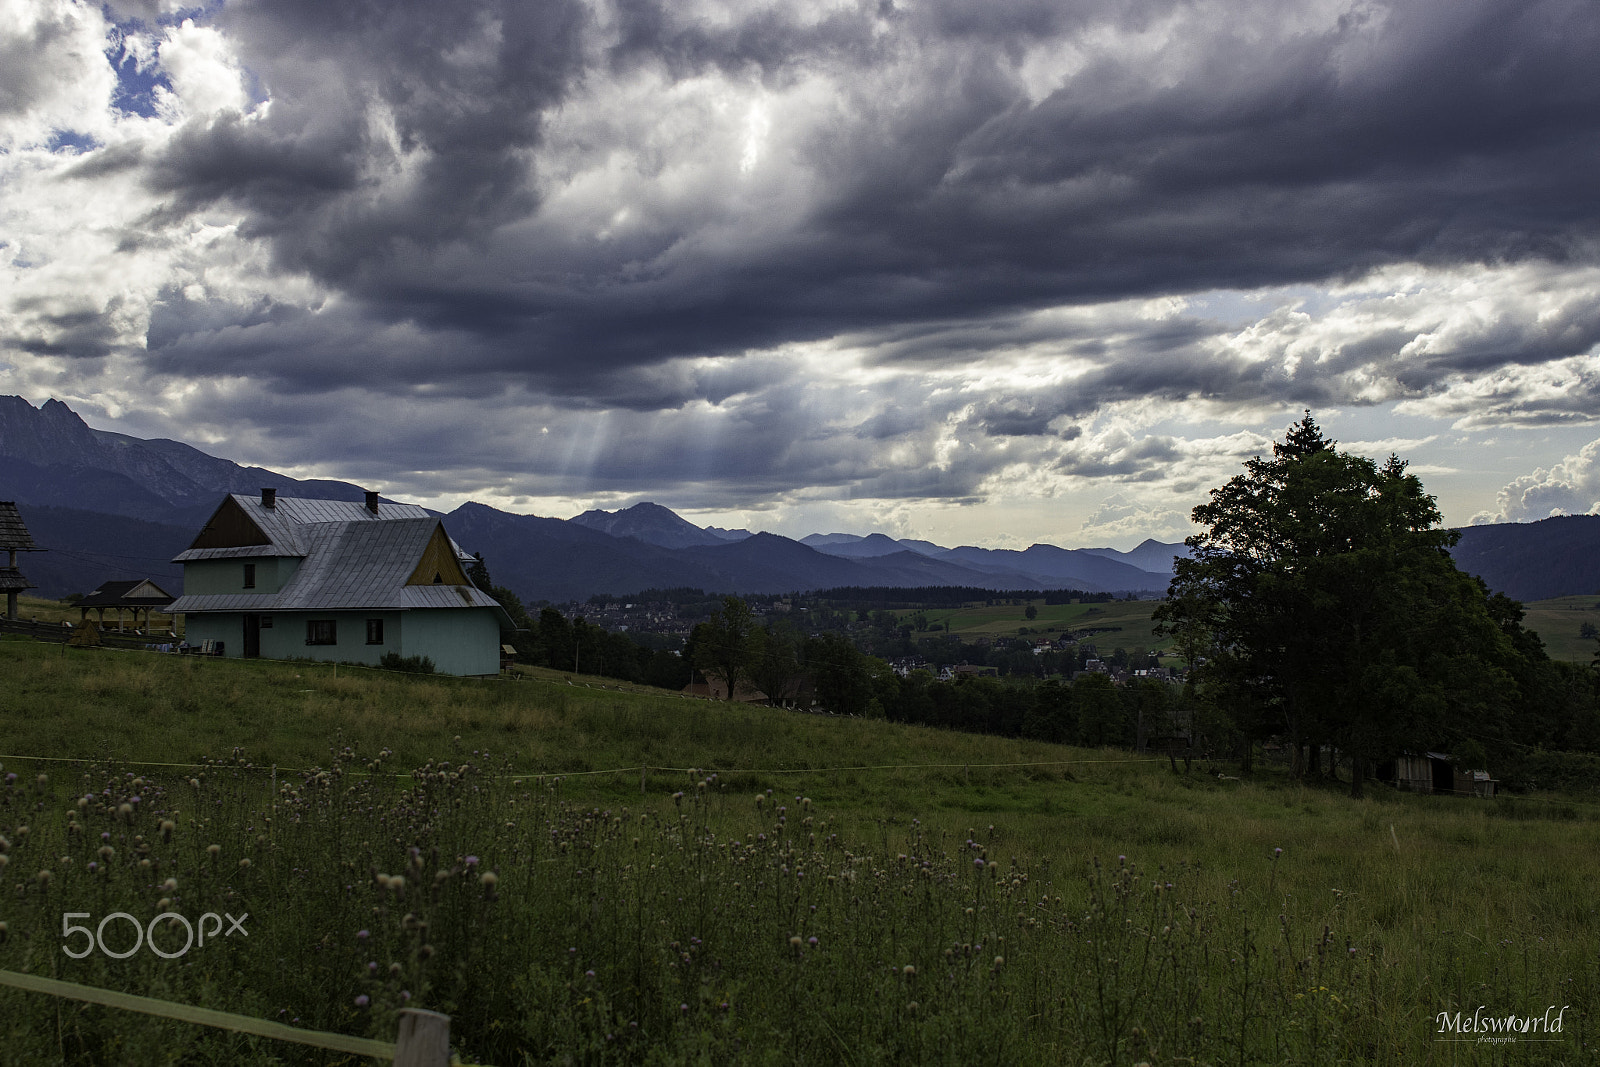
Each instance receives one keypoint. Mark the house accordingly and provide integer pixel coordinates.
(136, 596)
(336, 580)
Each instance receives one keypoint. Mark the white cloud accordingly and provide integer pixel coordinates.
(54, 75)
(1571, 487)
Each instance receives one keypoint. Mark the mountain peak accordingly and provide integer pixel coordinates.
(648, 522)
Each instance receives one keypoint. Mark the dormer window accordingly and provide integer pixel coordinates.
(249, 575)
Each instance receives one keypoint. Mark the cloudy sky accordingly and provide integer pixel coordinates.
(980, 271)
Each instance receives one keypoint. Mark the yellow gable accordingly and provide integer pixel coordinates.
(438, 565)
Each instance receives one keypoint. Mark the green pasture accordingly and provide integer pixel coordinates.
(1125, 623)
(811, 891)
(1559, 621)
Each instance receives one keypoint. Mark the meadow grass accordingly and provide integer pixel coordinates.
(1128, 623)
(1558, 622)
(402, 840)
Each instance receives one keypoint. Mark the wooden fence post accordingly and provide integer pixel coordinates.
(424, 1039)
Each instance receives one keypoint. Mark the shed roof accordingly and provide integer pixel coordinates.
(124, 593)
(13, 532)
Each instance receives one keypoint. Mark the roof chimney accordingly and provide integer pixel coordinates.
(269, 498)
(372, 501)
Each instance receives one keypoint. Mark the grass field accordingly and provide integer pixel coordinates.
(1120, 623)
(1558, 621)
(811, 892)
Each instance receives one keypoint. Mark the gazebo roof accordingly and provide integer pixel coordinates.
(138, 593)
(13, 532)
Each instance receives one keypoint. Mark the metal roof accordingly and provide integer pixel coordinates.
(359, 564)
(285, 525)
(14, 534)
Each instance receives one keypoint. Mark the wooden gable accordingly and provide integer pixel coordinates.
(438, 565)
(230, 527)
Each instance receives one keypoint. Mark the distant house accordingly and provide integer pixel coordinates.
(336, 580)
(137, 596)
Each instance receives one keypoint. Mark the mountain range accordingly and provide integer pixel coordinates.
(108, 505)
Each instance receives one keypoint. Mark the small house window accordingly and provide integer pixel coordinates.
(374, 631)
(322, 632)
(266, 622)
(249, 575)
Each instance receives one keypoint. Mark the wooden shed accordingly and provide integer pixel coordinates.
(1435, 772)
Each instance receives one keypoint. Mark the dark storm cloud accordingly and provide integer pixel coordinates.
(1262, 150)
(464, 87)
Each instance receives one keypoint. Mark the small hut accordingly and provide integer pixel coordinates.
(14, 538)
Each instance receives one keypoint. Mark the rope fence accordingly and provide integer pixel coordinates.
(424, 1038)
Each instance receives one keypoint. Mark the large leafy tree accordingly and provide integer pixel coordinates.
(723, 645)
(1334, 611)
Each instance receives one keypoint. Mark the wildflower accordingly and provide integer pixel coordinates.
(472, 861)
(4, 930)
(170, 884)
(213, 851)
(999, 962)
(363, 1000)
(909, 971)
(795, 942)
(363, 934)
(107, 853)
(1277, 852)
(44, 881)
(488, 878)
(244, 863)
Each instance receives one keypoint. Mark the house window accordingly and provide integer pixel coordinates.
(322, 632)
(374, 631)
(266, 622)
(249, 575)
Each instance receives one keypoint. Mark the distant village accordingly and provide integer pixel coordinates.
(667, 623)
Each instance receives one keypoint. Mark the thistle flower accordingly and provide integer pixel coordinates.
(363, 1000)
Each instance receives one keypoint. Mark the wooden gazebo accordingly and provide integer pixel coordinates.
(14, 538)
(139, 595)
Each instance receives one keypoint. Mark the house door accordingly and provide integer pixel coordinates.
(252, 636)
